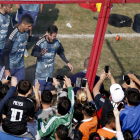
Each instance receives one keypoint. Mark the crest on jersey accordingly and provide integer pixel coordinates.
(27, 36)
(54, 46)
(8, 17)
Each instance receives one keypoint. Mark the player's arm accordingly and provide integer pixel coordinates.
(41, 8)
(7, 49)
(61, 54)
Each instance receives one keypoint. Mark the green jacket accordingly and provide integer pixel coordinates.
(50, 126)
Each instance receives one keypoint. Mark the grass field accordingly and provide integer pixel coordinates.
(122, 56)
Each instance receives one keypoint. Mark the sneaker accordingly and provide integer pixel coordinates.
(26, 53)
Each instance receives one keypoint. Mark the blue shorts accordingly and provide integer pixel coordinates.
(44, 85)
(23, 12)
(18, 73)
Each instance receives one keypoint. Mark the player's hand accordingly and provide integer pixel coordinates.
(55, 82)
(116, 112)
(7, 73)
(43, 51)
(70, 66)
(67, 81)
(14, 81)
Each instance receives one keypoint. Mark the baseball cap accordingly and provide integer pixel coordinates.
(116, 92)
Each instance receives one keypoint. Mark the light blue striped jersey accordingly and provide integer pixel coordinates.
(45, 63)
(4, 24)
(16, 56)
(31, 7)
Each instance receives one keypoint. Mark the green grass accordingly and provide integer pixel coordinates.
(122, 56)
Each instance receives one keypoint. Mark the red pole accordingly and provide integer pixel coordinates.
(98, 42)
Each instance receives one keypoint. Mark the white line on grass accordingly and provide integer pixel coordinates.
(90, 35)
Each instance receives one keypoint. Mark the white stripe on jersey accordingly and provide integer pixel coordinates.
(40, 41)
(2, 72)
(13, 33)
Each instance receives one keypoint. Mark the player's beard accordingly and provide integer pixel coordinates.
(50, 40)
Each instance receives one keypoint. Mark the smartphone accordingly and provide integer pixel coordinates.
(8, 78)
(120, 106)
(83, 83)
(106, 69)
(78, 82)
(60, 77)
(50, 80)
(126, 79)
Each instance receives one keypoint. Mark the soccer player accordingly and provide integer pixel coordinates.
(45, 50)
(17, 111)
(14, 48)
(5, 9)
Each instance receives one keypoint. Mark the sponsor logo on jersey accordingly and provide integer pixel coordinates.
(18, 103)
(49, 54)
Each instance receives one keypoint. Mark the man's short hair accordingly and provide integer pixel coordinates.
(52, 29)
(63, 105)
(86, 62)
(128, 135)
(133, 96)
(46, 97)
(4, 5)
(62, 132)
(110, 117)
(3, 91)
(24, 86)
(27, 19)
(89, 109)
(78, 115)
(105, 93)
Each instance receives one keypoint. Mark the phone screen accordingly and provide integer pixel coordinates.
(8, 78)
(127, 79)
(120, 106)
(106, 69)
(83, 83)
(50, 80)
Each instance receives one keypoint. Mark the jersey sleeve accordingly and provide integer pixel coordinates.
(60, 49)
(46, 128)
(4, 108)
(36, 52)
(31, 111)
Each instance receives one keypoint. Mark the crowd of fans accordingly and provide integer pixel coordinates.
(33, 113)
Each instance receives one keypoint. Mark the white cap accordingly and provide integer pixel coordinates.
(116, 93)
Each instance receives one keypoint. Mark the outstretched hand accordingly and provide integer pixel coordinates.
(70, 66)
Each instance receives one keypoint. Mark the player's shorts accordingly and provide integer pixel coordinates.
(23, 12)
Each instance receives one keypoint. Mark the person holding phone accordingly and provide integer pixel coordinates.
(45, 50)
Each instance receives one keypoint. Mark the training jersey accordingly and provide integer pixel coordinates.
(56, 120)
(85, 128)
(14, 49)
(4, 24)
(45, 63)
(17, 110)
(31, 7)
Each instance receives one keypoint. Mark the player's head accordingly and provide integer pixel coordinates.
(24, 87)
(110, 120)
(52, 32)
(3, 91)
(94, 136)
(61, 132)
(88, 109)
(46, 97)
(63, 105)
(7, 7)
(27, 22)
(78, 114)
(86, 63)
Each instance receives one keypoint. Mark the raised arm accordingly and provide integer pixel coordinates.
(96, 89)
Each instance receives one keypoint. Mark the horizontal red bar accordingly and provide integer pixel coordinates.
(62, 1)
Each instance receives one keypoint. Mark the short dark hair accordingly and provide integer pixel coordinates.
(110, 117)
(94, 136)
(52, 29)
(27, 19)
(24, 86)
(63, 105)
(86, 62)
(78, 115)
(89, 109)
(62, 132)
(46, 97)
(3, 90)
(105, 93)
(133, 96)
(4, 5)
(128, 135)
